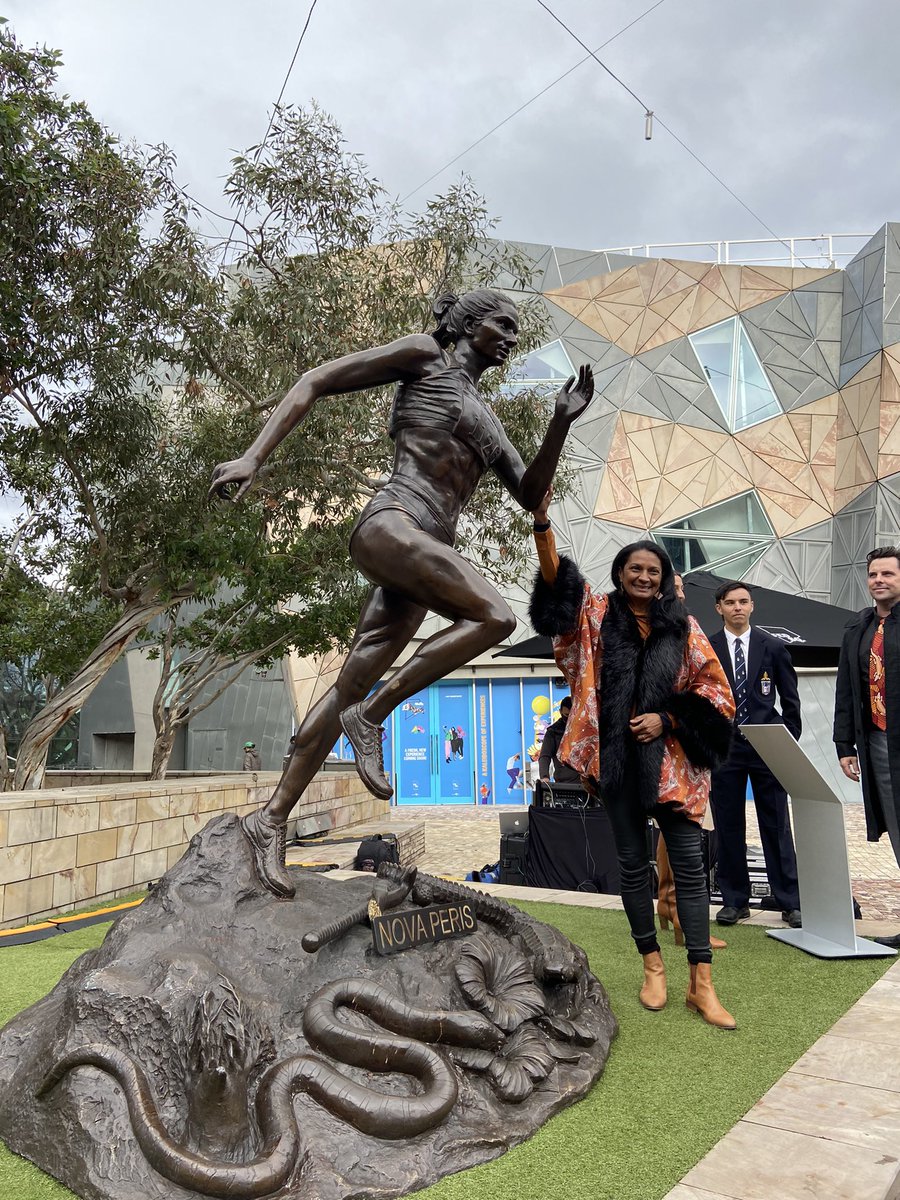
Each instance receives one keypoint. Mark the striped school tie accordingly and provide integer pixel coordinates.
(741, 698)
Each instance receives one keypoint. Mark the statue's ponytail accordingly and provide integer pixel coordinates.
(442, 308)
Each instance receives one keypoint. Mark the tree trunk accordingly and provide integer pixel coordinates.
(4, 763)
(162, 752)
(32, 757)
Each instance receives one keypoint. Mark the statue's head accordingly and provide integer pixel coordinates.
(488, 319)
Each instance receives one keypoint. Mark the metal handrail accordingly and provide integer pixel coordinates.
(821, 247)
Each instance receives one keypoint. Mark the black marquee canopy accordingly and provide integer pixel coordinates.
(812, 630)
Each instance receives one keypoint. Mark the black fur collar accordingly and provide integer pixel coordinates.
(637, 676)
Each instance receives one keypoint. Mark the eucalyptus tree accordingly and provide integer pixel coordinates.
(135, 354)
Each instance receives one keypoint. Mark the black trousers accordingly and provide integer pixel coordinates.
(880, 761)
(729, 805)
(629, 823)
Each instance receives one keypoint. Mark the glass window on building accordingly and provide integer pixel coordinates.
(545, 368)
(735, 374)
(726, 538)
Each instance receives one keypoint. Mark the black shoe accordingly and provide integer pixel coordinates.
(792, 917)
(731, 916)
(365, 738)
(893, 940)
(267, 840)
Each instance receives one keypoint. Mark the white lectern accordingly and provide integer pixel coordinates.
(821, 843)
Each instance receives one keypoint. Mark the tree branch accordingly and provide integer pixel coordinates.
(187, 695)
(114, 593)
(215, 366)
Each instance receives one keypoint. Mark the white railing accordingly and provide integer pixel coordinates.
(824, 250)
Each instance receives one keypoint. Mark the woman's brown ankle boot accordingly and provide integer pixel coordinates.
(653, 992)
(702, 998)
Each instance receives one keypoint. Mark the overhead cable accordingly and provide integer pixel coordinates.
(536, 96)
(259, 148)
(658, 120)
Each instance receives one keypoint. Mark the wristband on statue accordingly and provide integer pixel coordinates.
(540, 527)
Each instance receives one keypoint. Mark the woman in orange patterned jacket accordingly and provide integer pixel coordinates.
(651, 715)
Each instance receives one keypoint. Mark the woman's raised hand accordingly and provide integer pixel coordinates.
(575, 395)
(237, 474)
(540, 513)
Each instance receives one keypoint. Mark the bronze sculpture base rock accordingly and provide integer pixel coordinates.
(200, 1051)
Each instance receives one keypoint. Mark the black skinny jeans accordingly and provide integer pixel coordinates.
(629, 823)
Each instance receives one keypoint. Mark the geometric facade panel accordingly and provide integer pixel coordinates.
(799, 565)
(726, 538)
(887, 511)
(891, 318)
(863, 307)
(806, 465)
(798, 339)
(858, 433)
(658, 471)
(854, 537)
(889, 413)
(542, 369)
(737, 379)
(656, 301)
(667, 383)
(717, 381)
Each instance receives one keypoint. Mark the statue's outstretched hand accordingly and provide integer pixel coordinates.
(237, 475)
(575, 395)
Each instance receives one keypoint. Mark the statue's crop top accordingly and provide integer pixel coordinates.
(449, 400)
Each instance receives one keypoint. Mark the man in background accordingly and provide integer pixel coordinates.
(252, 761)
(562, 773)
(867, 702)
(760, 671)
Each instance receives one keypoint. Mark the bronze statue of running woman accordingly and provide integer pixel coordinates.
(445, 438)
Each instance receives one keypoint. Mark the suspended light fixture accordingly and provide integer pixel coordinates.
(648, 125)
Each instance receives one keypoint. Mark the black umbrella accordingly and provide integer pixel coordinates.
(812, 630)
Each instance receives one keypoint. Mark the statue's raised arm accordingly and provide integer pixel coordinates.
(445, 438)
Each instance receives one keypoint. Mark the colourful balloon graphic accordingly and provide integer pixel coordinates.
(540, 706)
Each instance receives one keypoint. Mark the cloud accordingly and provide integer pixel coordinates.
(792, 105)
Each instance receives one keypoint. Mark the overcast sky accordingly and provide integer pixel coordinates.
(793, 103)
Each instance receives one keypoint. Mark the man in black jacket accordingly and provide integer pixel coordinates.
(759, 669)
(550, 749)
(867, 702)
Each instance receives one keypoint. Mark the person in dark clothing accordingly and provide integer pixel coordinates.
(867, 702)
(651, 714)
(760, 672)
(286, 761)
(562, 772)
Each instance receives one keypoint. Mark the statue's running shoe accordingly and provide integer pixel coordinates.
(268, 841)
(365, 738)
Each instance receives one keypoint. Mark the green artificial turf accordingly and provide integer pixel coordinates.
(672, 1087)
(83, 910)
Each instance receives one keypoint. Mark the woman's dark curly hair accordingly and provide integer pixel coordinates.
(451, 312)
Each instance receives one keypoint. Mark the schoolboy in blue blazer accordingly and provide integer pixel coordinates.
(761, 674)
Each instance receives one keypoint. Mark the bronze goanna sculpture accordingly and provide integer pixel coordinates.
(445, 439)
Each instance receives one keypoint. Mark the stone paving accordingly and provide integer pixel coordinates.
(459, 840)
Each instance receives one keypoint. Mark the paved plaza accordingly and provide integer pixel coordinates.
(458, 840)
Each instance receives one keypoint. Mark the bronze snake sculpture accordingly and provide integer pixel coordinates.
(368, 1110)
